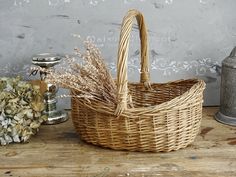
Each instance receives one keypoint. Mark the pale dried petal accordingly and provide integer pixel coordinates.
(17, 113)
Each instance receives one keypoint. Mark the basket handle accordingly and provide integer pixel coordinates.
(122, 78)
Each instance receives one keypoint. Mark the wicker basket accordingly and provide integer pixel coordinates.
(162, 117)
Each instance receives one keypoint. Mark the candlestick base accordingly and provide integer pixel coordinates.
(55, 117)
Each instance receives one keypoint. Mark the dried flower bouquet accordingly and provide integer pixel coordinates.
(87, 77)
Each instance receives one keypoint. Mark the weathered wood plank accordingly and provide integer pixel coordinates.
(57, 151)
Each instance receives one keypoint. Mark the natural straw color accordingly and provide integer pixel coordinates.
(148, 117)
(88, 77)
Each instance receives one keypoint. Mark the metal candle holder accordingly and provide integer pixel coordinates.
(48, 61)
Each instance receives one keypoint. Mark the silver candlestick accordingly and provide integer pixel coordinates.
(48, 61)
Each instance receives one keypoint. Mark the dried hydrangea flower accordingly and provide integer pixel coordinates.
(21, 106)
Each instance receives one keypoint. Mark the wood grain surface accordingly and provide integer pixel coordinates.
(57, 151)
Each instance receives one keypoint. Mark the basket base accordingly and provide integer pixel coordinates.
(225, 119)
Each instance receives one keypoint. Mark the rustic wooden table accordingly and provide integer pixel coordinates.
(57, 151)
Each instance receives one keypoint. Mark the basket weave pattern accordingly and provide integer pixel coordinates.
(160, 117)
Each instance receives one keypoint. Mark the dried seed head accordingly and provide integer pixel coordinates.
(89, 76)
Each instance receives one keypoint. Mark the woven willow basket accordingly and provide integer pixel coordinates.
(164, 117)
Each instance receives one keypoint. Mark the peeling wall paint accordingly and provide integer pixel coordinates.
(188, 38)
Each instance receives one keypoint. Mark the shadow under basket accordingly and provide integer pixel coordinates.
(163, 117)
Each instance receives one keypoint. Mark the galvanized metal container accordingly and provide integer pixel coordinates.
(227, 113)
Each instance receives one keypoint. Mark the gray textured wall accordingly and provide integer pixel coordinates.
(188, 38)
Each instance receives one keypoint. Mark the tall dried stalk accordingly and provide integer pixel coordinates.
(88, 79)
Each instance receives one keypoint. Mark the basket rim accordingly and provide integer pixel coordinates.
(107, 108)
